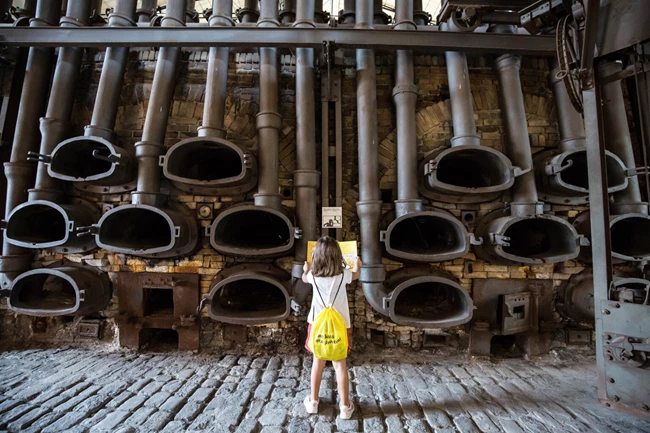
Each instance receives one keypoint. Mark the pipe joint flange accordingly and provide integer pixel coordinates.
(372, 273)
(173, 22)
(369, 208)
(220, 20)
(465, 140)
(15, 171)
(268, 119)
(268, 22)
(97, 131)
(116, 19)
(522, 209)
(306, 179)
(404, 207)
(304, 24)
(70, 22)
(151, 199)
(627, 208)
(405, 88)
(52, 124)
(243, 12)
(144, 149)
(508, 61)
(40, 22)
(405, 25)
(274, 201)
(211, 131)
(149, 13)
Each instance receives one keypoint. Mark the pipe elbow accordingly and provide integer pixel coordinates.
(375, 294)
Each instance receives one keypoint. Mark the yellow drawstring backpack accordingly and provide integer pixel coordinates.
(328, 339)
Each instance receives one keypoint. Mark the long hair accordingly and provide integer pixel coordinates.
(327, 259)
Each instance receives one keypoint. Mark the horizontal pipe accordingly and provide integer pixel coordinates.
(286, 37)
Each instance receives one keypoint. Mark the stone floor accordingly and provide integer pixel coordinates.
(83, 390)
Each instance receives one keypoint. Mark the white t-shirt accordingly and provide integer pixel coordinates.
(328, 287)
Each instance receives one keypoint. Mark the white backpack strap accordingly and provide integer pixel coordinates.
(337, 291)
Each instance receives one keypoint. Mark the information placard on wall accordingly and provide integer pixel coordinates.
(332, 217)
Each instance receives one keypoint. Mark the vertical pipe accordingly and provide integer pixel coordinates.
(112, 76)
(33, 102)
(617, 132)
(250, 12)
(369, 204)
(152, 145)
(147, 11)
(59, 109)
(460, 92)
(305, 177)
(349, 7)
(517, 141)
(268, 120)
(217, 79)
(288, 14)
(572, 130)
(405, 96)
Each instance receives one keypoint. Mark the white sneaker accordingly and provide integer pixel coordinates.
(346, 411)
(310, 405)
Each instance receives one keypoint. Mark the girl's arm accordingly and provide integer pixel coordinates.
(356, 269)
(305, 271)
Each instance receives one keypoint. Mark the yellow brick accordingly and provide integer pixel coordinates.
(501, 275)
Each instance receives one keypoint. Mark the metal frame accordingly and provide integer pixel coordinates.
(292, 37)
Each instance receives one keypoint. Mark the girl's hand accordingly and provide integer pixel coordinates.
(357, 264)
(305, 267)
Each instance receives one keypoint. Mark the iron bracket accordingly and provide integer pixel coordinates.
(3, 224)
(518, 171)
(430, 167)
(39, 157)
(82, 295)
(177, 231)
(161, 160)
(248, 160)
(382, 236)
(112, 158)
(637, 171)
(473, 240)
(497, 239)
(201, 306)
(207, 230)
(296, 307)
(297, 233)
(552, 169)
(583, 241)
(88, 230)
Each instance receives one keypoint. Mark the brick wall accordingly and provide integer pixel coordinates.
(433, 129)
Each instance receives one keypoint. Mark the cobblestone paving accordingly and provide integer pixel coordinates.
(81, 390)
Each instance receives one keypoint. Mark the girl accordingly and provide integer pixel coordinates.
(327, 274)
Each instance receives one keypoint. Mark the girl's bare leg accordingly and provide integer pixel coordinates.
(317, 368)
(342, 381)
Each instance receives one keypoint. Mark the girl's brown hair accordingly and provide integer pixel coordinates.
(327, 259)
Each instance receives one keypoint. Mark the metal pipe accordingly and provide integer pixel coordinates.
(517, 142)
(149, 149)
(268, 120)
(306, 177)
(250, 12)
(572, 129)
(462, 110)
(288, 13)
(373, 271)
(147, 11)
(405, 95)
(112, 76)
(33, 102)
(59, 109)
(347, 15)
(617, 133)
(217, 77)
